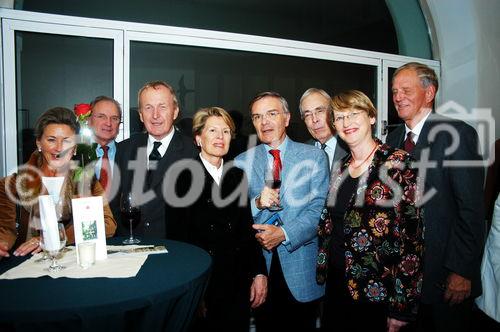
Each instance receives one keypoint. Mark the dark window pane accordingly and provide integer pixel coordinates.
(55, 70)
(213, 77)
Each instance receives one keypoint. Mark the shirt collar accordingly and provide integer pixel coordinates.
(165, 141)
(99, 151)
(215, 172)
(417, 129)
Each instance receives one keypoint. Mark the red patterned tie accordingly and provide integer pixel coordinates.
(105, 167)
(409, 145)
(276, 164)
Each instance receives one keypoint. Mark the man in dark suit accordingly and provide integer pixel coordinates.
(452, 194)
(105, 122)
(316, 110)
(148, 164)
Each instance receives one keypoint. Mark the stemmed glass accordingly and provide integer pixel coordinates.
(130, 216)
(274, 184)
(54, 252)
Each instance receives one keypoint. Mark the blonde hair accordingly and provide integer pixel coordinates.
(354, 99)
(201, 116)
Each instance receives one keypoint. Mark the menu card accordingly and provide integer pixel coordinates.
(88, 221)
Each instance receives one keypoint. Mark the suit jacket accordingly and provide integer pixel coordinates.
(159, 218)
(303, 190)
(225, 231)
(341, 150)
(454, 215)
(489, 302)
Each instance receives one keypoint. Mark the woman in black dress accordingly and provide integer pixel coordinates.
(220, 221)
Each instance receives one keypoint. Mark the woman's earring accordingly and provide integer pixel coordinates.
(74, 153)
(39, 149)
(199, 144)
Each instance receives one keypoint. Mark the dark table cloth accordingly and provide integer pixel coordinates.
(162, 297)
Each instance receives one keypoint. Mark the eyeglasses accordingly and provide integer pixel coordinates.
(350, 116)
(318, 111)
(270, 115)
(103, 117)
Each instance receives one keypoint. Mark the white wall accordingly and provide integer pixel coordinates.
(469, 49)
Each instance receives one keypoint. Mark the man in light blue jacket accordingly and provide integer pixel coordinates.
(290, 242)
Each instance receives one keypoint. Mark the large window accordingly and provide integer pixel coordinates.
(213, 77)
(54, 60)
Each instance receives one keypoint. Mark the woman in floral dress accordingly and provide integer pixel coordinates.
(371, 232)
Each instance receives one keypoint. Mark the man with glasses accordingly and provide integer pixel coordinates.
(316, 111)
(105, 122)
(288, 234)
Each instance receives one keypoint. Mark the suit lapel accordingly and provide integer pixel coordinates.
(340, 150)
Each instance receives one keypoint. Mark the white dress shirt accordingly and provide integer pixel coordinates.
(215, 172)
(165, 141)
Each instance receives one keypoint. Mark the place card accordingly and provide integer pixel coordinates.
(88, 221)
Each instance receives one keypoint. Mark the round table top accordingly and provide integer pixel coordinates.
(162, 276)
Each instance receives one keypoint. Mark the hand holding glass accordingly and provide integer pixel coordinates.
(274, 184)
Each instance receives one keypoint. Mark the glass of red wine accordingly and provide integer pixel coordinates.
(130, 216)
(274, 184)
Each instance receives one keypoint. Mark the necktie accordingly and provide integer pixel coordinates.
(154, 156)
(276, 164)
(323, 147)
(105, 168)
(409, 145)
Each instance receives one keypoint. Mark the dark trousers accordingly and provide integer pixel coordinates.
(342, 313)
(441, 317)
(281, 311)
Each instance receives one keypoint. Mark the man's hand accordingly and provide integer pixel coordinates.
(258, 290)
(267, 198)
(457, 289)
(269, 236)
(31, 246)
(394, 325)
(4, 249)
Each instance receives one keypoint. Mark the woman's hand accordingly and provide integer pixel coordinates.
(394, 325)
(31, 246)
(4, 249)
(258, 290)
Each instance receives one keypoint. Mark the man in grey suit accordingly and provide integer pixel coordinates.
(452, 197)
(290, 246)
(154, 153)
(316, 110)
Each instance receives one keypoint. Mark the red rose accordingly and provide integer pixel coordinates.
(82, 109)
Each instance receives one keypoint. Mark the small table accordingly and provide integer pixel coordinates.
(162, 297)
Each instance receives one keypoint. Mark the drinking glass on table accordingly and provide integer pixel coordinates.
(275, 184)
(54, 250)
(130, 216)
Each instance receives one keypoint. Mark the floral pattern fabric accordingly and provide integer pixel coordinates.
(383, 234)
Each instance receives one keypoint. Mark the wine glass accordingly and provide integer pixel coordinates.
(54, 251)
(45, 255)
(274, 184)
(35, 230)
(130, 216)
